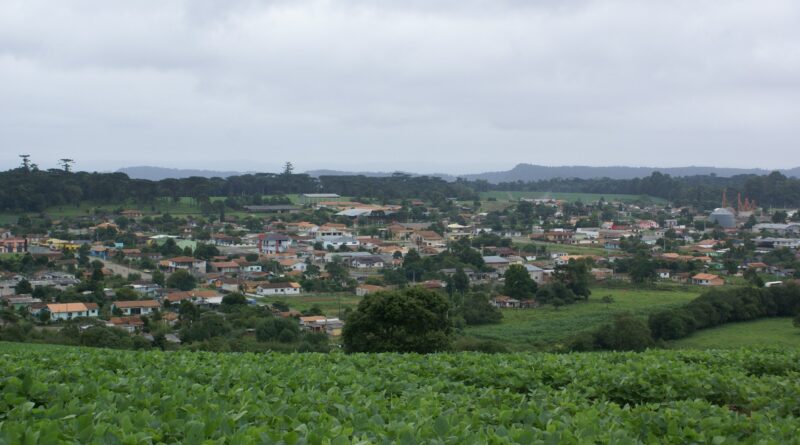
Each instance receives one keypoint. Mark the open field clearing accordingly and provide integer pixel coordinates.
(544, 327)
(774, 332)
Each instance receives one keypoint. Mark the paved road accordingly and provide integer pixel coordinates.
(125, 270)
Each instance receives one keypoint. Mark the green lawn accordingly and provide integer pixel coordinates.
(566, 196)
(777, 332)
(545, 327)
(328, 302)
(572, 249)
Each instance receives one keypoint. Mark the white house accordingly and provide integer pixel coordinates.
(294, 264)
(338, 241)
(272, 289)
(68, 311)
(250, 267)
(367, 262)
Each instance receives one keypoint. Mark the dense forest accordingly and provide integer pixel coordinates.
(775, 189)
(31, 189)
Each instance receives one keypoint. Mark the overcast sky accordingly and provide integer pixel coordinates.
(427, 86)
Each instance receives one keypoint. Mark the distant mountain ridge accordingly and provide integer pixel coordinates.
(159, 173)
(530, 172)
(521, 172)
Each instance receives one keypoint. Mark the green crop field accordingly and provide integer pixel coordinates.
(545, 327)
(566, 196)
(330, 303)
(93, 396)
(778, 332)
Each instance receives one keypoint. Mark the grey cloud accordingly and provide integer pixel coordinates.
(464, 85)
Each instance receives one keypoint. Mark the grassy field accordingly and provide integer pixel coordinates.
(330, 303)
(584, 197)
(544, 327)
(572, 249)
(773, 332)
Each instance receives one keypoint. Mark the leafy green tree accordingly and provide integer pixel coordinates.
(104, 337)
(413, 266)
(643, 269)
(188, 312)
(460, 280)
(731, 267)
(23, 287)
(206, 251)
(753, 278)
(669, 325)
(477, 310)
(518, 283)
(549, 293)
(182, 280)
(234, 299)
(285, 330)
(779, 217)
(126, 293)
(626, 333)
(208, 325)
(158, 278)
(575, 275)
(338, 271)
(313, 310)
(409, 320)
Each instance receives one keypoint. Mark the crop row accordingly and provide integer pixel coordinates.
(74, 395)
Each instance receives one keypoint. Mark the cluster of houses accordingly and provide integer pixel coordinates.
(297, 245)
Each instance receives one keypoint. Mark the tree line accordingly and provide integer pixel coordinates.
(31, 189)
(714, 307)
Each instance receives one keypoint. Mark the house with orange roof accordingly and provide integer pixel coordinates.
(68, 311)
(224, 266)
(187, 263)
(129, 324)
(707, 279)
(428, 238)
(193, 296)
(365, 289)
(136, 307)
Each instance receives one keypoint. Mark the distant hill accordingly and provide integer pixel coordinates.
(159, 173)
(318, 173)
(530, 172)
(521, 172)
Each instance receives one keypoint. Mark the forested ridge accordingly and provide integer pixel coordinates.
(29, 189)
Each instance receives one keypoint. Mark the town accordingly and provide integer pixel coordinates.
(289, 273)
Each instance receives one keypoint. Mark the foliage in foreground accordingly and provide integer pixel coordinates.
(72, 395)
(408, 320)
